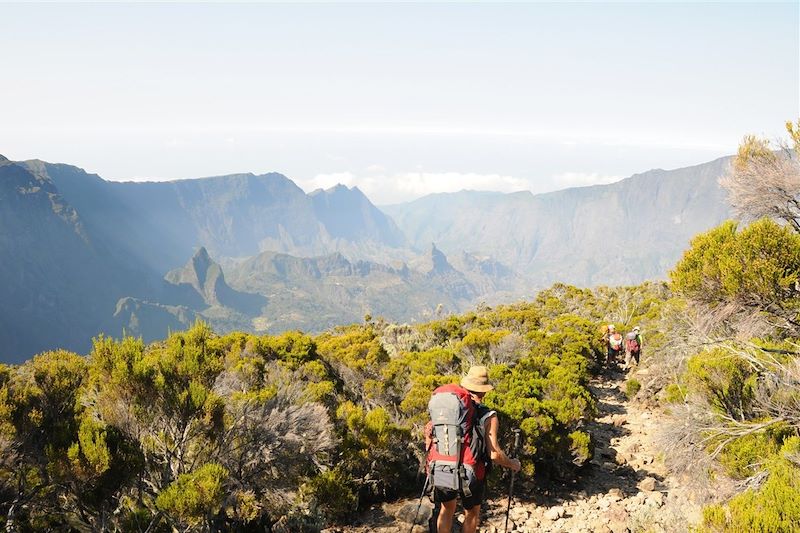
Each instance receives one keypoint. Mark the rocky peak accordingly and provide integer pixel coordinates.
(202, 274)
(201, 262)
(439, 262)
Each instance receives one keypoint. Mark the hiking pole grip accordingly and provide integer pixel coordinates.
(515, 452)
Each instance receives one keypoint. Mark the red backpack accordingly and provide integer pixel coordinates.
(615, 339)
(632, 342)
(456, 456)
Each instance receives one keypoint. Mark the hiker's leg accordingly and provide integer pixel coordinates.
(472, 517)
(445, 522)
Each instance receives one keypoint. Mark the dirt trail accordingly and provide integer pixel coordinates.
(626, 489)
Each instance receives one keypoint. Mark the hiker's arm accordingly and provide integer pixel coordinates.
(493, 447)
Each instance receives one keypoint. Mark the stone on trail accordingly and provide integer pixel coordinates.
(616, 494)
(599, 526)
(554, 513)
(518, 514)
(648, 484)
(619, 527)
(406, 513)
(655, 499)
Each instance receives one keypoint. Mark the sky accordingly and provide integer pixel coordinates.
(401, 100)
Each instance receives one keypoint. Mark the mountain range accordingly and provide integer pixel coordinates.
(616, 234)
(80, 255)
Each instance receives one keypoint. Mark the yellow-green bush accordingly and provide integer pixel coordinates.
(632, 388)
(726, 380)
(674, 393)
(194, 497)
(332, 492)
(744, 456)
(773, 508)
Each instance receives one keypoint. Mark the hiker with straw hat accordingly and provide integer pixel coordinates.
(476, 382)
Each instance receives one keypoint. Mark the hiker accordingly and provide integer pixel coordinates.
(633, 347)
(486, 452)
(614, 343)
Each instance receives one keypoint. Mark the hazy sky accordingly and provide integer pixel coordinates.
(401, 100)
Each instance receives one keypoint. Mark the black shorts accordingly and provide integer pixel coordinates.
(476, 498)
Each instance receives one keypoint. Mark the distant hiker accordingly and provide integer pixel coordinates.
(633, 347)
(457, 467)
(614, 344)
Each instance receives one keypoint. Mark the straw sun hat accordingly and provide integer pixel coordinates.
(477, 380)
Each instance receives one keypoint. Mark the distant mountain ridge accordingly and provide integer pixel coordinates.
(621, 233)
(237, 215)
(80, 255)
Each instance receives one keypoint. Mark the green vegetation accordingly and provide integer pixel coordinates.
(210, 432)
(203, 432)
(632, 388)
(739, 390)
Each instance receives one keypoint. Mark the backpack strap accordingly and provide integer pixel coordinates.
(482, 414)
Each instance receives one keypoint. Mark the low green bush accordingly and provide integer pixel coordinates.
(773, 508)
(674, 393)
(332, 493)
(632, 388)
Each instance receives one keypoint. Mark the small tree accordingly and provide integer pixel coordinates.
(755, 271)
(764, 182)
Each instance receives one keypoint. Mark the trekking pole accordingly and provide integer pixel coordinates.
(419, 505)
(424, 489)
(511, 486)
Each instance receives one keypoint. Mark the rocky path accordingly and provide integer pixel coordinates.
(627, 488)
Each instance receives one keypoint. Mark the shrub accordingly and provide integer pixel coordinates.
(773, 508)
(632, 388)
(726, 380)
(331, 492)
(744, 456)
(194, 497)
(674, 393)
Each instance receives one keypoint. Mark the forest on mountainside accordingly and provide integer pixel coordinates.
(293, 432)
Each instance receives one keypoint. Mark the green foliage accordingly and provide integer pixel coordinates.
(478, 343)
(120, 435)
(715, 518)
(632, 388)
(409, 379)
(773, 508)
(698, 274)
(675, 393)
(727, 380)
(333, 493)
(196, 496)
(757, 268)
(744, 456)
(292, 347)
(581, 447)
(545, 394)
(358, 347)
(747, 273)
